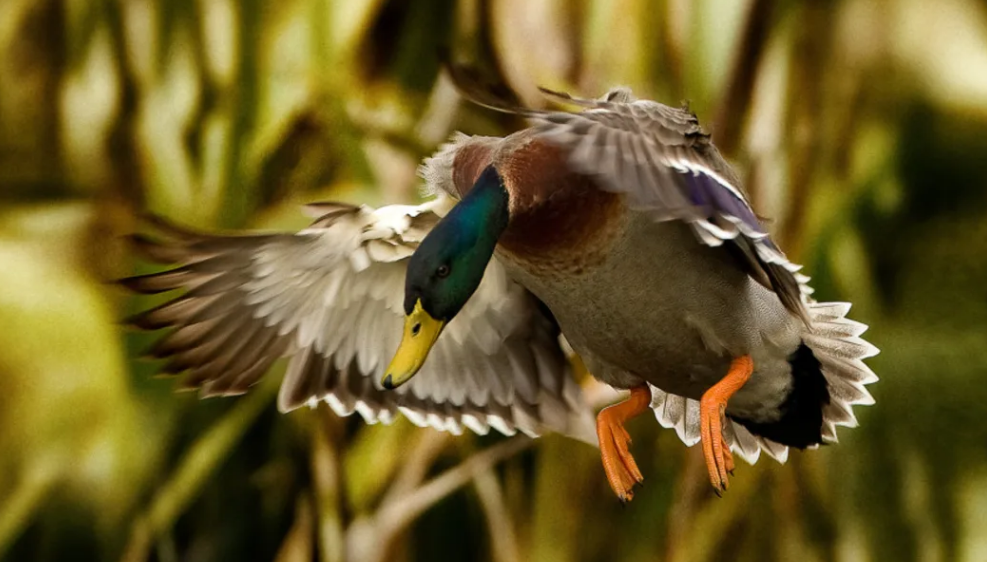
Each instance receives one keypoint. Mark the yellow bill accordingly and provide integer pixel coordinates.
(420, 333)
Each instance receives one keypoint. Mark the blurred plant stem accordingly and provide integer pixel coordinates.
(690, 492)
(553, 537)
(709, 537)
(298, 544)
(195, 469)
(328, 478)
(810, 56)
(18, 508)
(503, 539)
(370, 537)
(729, 122)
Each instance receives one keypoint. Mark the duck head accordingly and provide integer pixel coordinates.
(445, 271)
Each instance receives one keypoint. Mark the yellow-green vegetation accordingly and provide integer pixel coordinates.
(861, 130)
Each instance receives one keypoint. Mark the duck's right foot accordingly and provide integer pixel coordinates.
(622, 471)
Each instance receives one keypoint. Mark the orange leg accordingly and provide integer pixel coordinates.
(712, 416)
(622, 471)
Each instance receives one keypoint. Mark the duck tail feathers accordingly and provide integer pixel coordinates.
(835, 341)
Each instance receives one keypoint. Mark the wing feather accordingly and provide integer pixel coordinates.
(659, 157)
(329, 299)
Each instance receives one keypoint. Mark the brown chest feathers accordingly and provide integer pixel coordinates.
(561, 223)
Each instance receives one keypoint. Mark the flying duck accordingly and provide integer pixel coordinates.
(617, 231)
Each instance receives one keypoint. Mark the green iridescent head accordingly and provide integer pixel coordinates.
(446, 269)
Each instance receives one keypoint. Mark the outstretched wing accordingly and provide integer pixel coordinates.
(661, 160)
(330, 298)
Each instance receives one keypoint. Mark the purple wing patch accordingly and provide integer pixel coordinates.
(764, 260)
(716, 198)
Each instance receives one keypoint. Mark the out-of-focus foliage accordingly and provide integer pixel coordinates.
(860, 125)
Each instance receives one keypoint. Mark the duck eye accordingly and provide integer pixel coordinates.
(442, 272)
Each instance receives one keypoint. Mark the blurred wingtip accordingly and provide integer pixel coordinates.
(480, 89)
(166, 226)
(134, 284)
(142, 321)
(155, 250)
(565, 97)
(323, 211)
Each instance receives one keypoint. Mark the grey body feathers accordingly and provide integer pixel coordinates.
(665, 309)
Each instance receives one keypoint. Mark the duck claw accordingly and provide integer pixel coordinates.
(712, 419)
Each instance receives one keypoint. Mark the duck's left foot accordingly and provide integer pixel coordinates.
(712, 416)
(622, 471)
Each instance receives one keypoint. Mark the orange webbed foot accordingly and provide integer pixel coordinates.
(618, 463)
(622, 471)
(712, 416)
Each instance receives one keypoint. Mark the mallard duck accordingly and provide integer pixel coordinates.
(618, 230)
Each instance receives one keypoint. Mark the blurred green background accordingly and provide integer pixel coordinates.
(859, 125)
